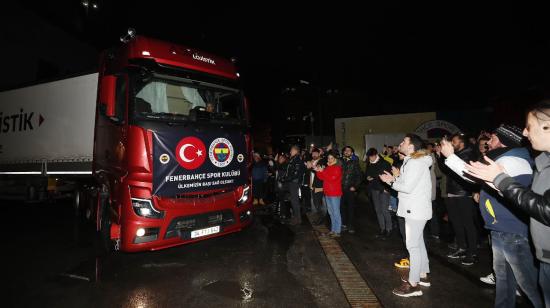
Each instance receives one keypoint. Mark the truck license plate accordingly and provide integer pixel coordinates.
(205, 232)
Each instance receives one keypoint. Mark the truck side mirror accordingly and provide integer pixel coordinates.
(107, 94)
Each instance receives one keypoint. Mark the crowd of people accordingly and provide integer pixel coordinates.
(485, 186)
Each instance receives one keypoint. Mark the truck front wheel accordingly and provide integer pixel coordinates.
(104, 232)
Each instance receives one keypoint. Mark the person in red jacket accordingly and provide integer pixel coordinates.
(332, 188)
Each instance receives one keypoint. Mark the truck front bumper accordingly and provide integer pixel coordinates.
(182, 226)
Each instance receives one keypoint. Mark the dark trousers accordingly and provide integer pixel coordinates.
(258, 189)
(293, 189)
(271, 189)
(318, 203)
(401, 222)
(462, 212)
(306, 198)
(434, 222)
(381, 201)
(347, 208)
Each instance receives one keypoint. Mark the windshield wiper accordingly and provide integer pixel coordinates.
(164, 116)
(174, 116)
(181, 119)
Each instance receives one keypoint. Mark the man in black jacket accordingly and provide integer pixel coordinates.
(351, 178)
(316, 186)
(280, 166)
(379, 194)
(461, 207)
(292, 178)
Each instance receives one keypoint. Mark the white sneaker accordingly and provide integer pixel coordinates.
(489, 279)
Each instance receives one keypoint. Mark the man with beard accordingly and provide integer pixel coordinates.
(414, 186)
(379, 191)
(351, 178)
(316, 186)
(292, 178)
(513, 261)
(460, 206)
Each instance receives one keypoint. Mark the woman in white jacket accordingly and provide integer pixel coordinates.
(414, 186)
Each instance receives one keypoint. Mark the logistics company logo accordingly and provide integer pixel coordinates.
(221, 152)
(19, 122)
(190, 153)
(196, 56)
(164, 158)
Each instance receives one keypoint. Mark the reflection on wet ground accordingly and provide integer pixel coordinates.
(230, 289)
(268, 264)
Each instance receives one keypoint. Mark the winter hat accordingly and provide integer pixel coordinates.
(509, 135)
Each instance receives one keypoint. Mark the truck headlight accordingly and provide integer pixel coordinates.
(244, 195)
(144, 208)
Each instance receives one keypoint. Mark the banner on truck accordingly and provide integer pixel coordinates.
(188, 161)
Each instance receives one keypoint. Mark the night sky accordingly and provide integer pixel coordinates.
(381, 57)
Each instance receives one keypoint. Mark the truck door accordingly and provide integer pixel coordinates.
(111, 137)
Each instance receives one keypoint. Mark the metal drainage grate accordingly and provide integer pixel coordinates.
(354, 286)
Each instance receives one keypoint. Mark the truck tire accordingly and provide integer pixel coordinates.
(104, 233)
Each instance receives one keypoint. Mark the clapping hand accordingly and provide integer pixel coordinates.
(387, 177)
(395, 171)
(488, 173)
(447, 148)
(438, 150)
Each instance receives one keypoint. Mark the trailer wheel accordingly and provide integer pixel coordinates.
(78, 201)
(31, 193)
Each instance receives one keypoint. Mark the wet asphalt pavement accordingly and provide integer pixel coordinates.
(453, 284)
(51, 260)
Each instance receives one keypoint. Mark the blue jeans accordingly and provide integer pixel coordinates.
(333, 206)
(393, 203)
(544, 281)
(514, 265)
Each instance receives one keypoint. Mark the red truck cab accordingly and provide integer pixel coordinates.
(172, 147)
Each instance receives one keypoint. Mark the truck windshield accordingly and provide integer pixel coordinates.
(163, 98)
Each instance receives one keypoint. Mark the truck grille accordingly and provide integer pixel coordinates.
(182, 226)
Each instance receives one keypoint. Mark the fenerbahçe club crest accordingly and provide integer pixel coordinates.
(221, 152)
